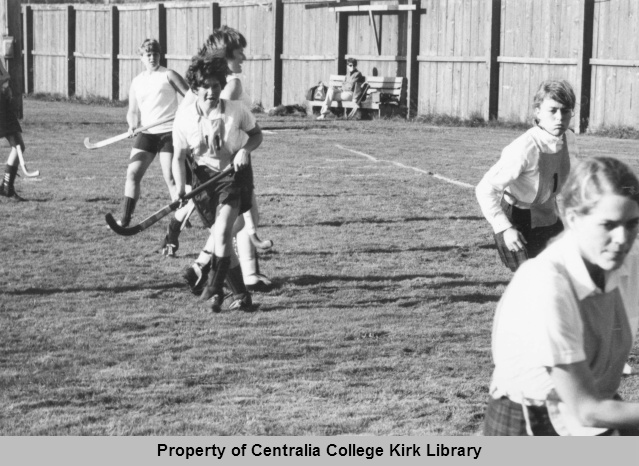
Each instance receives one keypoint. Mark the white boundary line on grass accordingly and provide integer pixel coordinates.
(419, 170)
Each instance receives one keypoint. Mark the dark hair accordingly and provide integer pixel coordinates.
(593, 177)
(558, 90)
(211, 65)
(224, 38)
(353, 61)
(150, 45)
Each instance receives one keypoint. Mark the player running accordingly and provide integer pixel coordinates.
(518, 194)
(153, 96)
(212, 131)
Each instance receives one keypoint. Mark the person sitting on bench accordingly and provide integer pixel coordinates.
(350, 89)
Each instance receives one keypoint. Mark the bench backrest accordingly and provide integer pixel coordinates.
(381, 84)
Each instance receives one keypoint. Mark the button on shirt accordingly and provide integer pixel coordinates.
(552, 313)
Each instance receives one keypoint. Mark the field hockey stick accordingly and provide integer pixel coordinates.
(259, 244)
(160, 214)
(188, 215)
(89, 145)
(23, 165)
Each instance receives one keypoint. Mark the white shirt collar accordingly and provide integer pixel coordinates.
(579, 276)
(547, 142)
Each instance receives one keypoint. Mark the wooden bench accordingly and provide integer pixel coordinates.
(375, 86)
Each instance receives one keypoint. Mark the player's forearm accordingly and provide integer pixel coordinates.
(489, 200)
(179, 172)
(254, 141)
(610, 414)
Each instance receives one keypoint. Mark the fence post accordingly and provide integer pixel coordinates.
(162, 32)
(494, 39)
(584, 68)
(115, 49)
(342, 41)
(216, 19)
(412, 66)
(27, 43)
(70, 50)
(278, 44)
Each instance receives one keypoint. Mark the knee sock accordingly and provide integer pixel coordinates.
(128, 206)
(204, 258)
(173, 232)
(219, 270)
(10, 173)
(236, 282)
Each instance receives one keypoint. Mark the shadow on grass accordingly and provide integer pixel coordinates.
(305, 280)
(388, 250)
(339, 223)
(116, 289)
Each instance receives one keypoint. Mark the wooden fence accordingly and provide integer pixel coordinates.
(459, 57)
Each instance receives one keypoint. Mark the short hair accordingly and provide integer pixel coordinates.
(593, 177)
(558, 90)
(224, 38)
(150, 45)
(202, 67)
(352, 60)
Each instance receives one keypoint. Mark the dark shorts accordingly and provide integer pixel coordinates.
(537, 238)
(8, 121)
(154, 143)
(232, 188)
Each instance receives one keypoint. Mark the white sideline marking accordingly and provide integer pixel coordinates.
(401, 165)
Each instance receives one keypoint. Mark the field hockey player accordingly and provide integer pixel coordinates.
(153, 97)
(233, 43)
(518, 194)
(10, 129)
(568, 319)
(212, 131)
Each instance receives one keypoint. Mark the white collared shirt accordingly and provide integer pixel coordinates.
(522, 174)
(190, 130)
(539, 324)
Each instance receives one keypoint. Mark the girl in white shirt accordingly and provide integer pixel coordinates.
(152, 98)
(567, 321)
(517, 195)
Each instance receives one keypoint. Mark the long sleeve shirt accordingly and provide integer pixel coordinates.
(529, 174)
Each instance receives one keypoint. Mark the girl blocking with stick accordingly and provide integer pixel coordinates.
(153, 97)
(568, 319)
(211, 130)
(517, 195)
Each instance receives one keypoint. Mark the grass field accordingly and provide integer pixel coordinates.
(386, 283)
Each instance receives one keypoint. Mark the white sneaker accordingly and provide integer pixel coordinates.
(627, 370)
(321, 117)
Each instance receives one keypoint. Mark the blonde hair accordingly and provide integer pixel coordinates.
(150, 45)
(590, 179)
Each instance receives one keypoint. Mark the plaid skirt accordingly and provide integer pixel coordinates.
(537, 238)
(234, 187)
(506, 418)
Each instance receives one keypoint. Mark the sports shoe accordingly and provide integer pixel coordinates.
(244, 304)
(321, 117)
(195, 277)
(214, 303)
(10, 193)
(168, 249)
